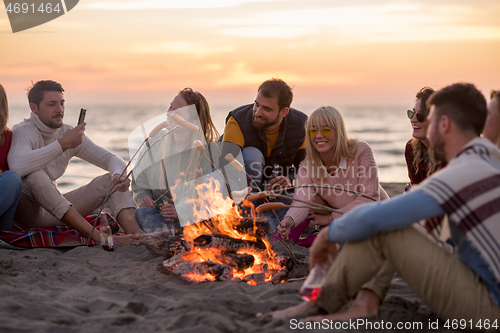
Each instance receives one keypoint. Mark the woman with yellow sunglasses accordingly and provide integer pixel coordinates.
(332, 160)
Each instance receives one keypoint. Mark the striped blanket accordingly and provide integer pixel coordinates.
(468, 189)
(59, 236)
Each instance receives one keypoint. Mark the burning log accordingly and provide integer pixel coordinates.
(257, 278)
(220, 272)
(162, 244)
(226, 243)
(246, 226)
(237, 260)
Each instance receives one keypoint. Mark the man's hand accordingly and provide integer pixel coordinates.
(321, 220)
(122, 184)
(168, 210)
(148, 202)
(321, 250)
(73, 137)
(280, 182)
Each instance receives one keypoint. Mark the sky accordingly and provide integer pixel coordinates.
(358, 52)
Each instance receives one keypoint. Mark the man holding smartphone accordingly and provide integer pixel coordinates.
(42, 147)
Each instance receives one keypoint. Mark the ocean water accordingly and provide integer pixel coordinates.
(386, 129)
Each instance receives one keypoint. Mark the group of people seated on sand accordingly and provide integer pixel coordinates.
(364, 237)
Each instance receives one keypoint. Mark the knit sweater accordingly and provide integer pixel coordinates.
(35, 146)
(359, 174)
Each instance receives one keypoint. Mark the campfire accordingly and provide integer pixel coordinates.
(224, 247)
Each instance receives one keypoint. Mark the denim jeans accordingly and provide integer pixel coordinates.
(151, 220)
(11, 187)
(254, 164)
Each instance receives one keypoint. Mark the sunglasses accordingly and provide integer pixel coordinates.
(193, 96)
(325, 131)
(411, 113)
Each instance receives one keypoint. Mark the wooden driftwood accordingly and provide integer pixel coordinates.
(219, 271)
(162, 244)
(236, 260)
(246, 226)
(226, 243)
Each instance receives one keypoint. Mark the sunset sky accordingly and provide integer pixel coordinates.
(358, 52)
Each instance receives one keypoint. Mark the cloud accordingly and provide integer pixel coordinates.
(166, 4)
(182, 47)
(366, 23)
(269, 31)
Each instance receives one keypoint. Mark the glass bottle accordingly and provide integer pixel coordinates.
(313, 283)
(275, 173)
(106, 234)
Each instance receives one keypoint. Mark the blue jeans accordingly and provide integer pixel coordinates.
(151, 220)
(11, 187)
(254, 164)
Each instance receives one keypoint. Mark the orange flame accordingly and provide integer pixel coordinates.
(224, 217)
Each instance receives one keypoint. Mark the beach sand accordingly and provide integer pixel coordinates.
(91, 290)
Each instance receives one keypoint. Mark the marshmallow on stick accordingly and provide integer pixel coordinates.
(242, 193)
(199, 145)
(158, 128)
(183, 122)
(230, 158)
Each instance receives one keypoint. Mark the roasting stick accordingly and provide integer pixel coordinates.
(179, 120)
(279, 205)
(309, 203)
(334, 188)
(235, 163)
(201, 148)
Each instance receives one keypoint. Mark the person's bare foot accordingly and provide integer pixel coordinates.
(365, 305)
(126, 240)
(292, 311)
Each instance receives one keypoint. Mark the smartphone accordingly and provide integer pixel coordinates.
(81, 119)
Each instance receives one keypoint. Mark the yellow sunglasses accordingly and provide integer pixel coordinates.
(325, 131)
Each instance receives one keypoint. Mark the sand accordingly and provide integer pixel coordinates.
(91, 290)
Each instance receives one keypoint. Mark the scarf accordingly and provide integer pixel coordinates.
(48, 134)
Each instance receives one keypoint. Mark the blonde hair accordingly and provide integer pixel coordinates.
(344, 147)
(495, 94)
(4, 114)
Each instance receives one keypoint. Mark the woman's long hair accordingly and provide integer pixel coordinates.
(203, 109)
(344, 147)
(4, 114)
(421, 155)
(496, 95)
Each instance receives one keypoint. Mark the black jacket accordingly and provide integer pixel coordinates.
(286, 152)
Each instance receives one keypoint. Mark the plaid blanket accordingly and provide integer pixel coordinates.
(59, 236)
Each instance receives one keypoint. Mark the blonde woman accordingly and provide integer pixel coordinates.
(491, 129)
(332, 159)
(10, 182)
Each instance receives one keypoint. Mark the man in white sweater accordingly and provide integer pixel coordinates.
(42, 147)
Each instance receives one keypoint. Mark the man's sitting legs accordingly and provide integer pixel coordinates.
(42, 204)
(445, 284)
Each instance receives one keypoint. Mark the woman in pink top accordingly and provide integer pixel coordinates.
(332, 159)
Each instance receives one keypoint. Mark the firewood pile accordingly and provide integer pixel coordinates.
(213, 255)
